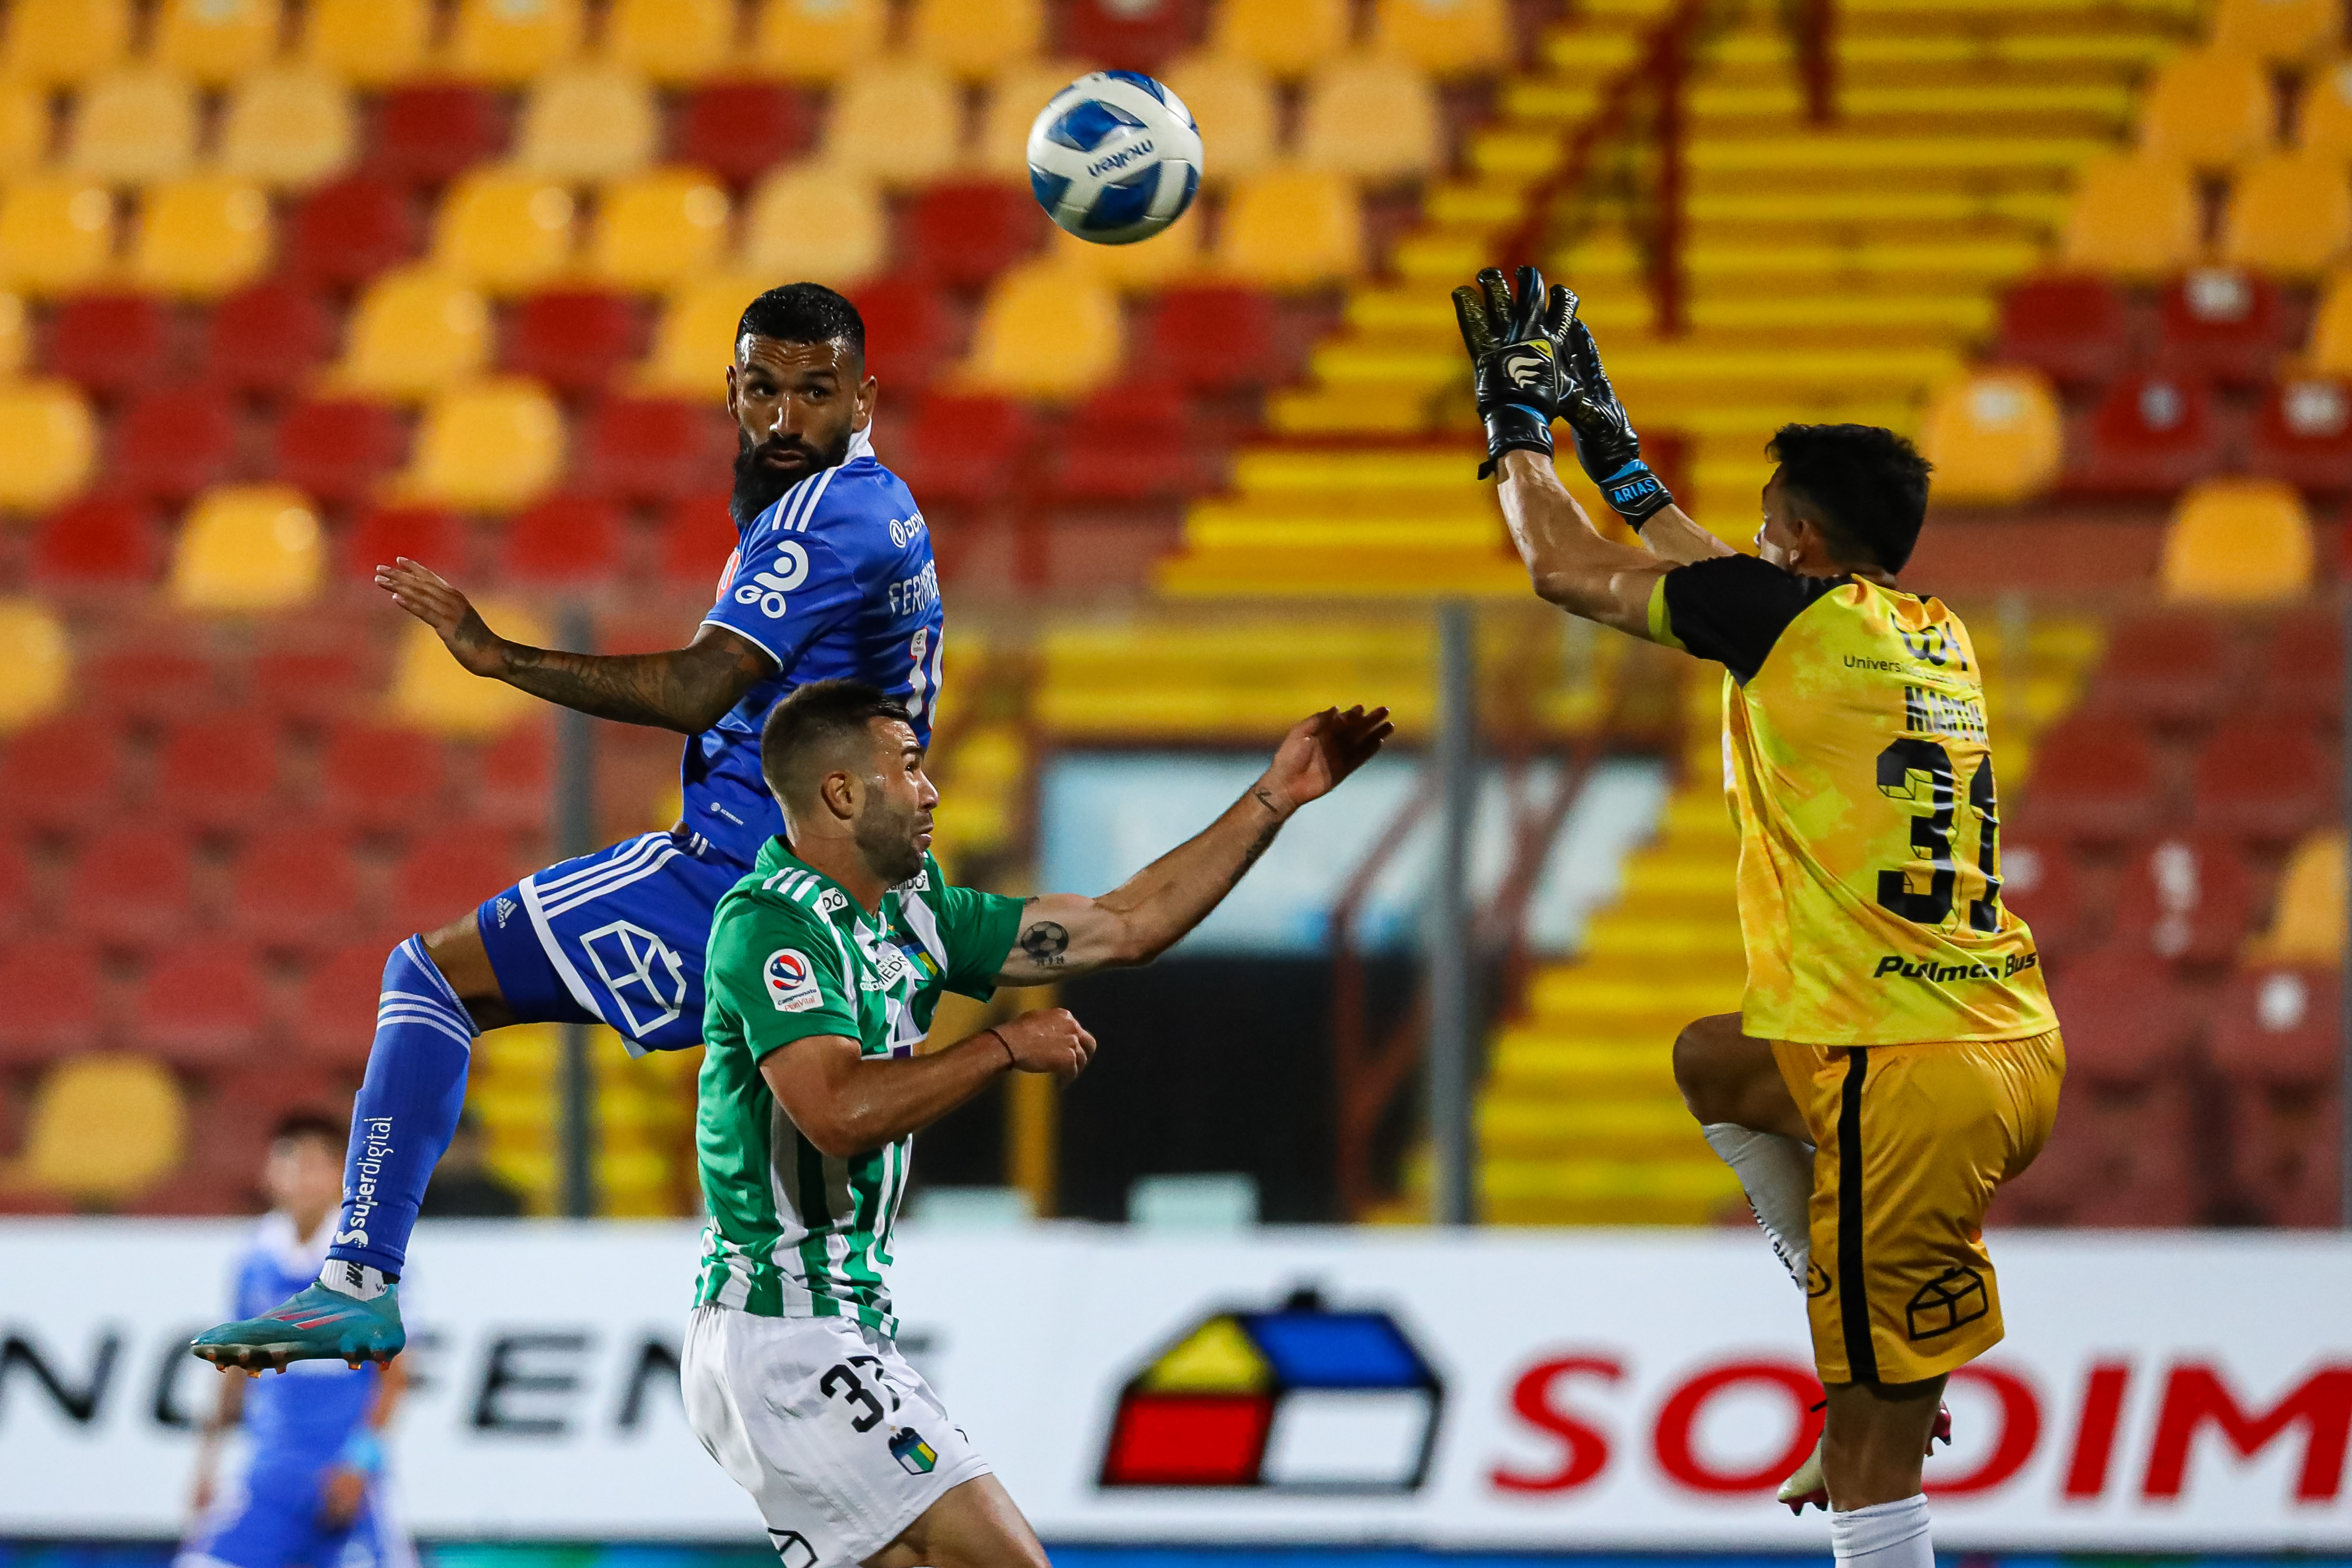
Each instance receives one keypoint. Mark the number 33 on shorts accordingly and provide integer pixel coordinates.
(841, 1382)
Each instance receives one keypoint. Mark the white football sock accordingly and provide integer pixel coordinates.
(1883, 1535)
(1777, 1174)
(357, 1279)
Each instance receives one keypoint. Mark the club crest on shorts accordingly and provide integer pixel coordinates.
(791, 981)
(915, 1456)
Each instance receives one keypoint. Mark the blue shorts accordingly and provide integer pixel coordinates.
(615, 937)
(270, 1519)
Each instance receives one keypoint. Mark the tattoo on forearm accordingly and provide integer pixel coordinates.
(1258, 845)
(667, 690)
(1264, 797)
(1045, 944)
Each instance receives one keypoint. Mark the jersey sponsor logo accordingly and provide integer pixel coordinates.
(831, 902)
(791, 981)
(1929, 969)
(643, 974)
(767, 589)
(904, 531)
(887, 964)
(1933, 644)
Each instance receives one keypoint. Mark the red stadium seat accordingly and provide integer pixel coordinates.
(1218, 339)
(2092, 781)
(423, 533)
(15, 890)
(449, 872)
(59, 776)
(2150, 434)
(93, 543)
(1130, 35)
(2222, 322)
(572, 339)
(563, 541)
(2276, 1039)
(344, 234)
(2185, 898)
(130, 886)
(740, 130)
(2303, 434)
(52, 986)
(111, 342)
(967, 449)
(2120, 1158)
(2074, 330)
(2128, 1022)
(2258, 781)
(965, 232)
(268, 339)
(318, 673)
(340, 450)
(2303, 669)
(156, 678)
(2286, 1149)
(334, 1018)
(295, 888)
(169, 445)
(514, 782)
(433, 132)
(201, 1005)
(378, 779)
(220, 773)
(908, 330)
(2167, 668)
(1136, 447)
(2278, 1026)
(651, 451)
(2039, 884)
(697, 537)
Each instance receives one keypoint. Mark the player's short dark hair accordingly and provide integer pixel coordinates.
(809, 727)
(332, 1130)
(805, 313)
(1865, 486)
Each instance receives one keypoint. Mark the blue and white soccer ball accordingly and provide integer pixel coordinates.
(1114, 157)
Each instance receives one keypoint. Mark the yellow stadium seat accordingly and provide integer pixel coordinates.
(1288, 38)
(2290, 216)
(2208, 108)
(657, 228)
(2331, 328)
(292, 128)
(818, 40)
(1045, 331)
(2324, 124)
(505, 230)
(590, 123)
(1445, 38)
(433, 691)
(898, 120)
(24, 127)
(2238, 541)
(35, 662)
(104, 1128)
(1996, 438)
(2309, 925)
(1233, 101)
(671, 41)
(415, 332)
(56, 42)
(818, 221)
(2279, 31)
(694, 341)
(1293, 229)
(54, 235)
(134, 126)
(246, 548)
(1014, 97)
(1173, 255)
(47, 442)
(974, 38)
(216, 41)
(201, 238)
(15, 335)
(2134, 217)
(511, 41)
(491, 447)
(371, 43)
(1374, 118)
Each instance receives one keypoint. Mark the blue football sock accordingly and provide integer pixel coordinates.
(407, 1108)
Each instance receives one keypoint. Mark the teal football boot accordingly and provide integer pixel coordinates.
(318, 1325)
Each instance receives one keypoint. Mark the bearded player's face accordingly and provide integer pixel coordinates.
(795, 408)
(894, 821)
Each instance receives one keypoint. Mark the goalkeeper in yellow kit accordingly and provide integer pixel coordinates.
(1895, 1058)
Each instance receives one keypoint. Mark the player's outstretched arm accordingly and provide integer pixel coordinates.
(1064, 934)
(1610, 451)
(846, 1103)
(687, 690)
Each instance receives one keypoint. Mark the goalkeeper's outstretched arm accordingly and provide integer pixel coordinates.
(1570, 564)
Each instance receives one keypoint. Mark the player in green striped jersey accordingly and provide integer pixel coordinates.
(824, 967)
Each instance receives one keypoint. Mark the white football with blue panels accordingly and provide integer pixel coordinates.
(1114, 157)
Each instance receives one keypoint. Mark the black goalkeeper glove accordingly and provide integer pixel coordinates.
(1606, 442)
(1516, 359)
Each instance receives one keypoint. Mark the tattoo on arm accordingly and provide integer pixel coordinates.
(1258, 845)
(687, 689)
(1046, 943)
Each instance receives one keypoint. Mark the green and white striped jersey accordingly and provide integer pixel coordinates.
(794, 1233)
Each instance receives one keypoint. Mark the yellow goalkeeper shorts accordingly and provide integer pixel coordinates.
(1912, 1141)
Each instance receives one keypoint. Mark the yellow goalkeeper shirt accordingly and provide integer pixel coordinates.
(1856, 763)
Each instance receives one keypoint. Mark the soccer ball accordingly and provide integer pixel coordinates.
(1114, 157)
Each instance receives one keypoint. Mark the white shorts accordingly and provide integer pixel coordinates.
(838, 1439)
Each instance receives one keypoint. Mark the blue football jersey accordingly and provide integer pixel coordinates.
(304, 1415)
(834, 581)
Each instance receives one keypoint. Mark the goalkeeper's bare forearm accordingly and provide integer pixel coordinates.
(1570, 563)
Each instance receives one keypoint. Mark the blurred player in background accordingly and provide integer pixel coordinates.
(309, 1494)
(833, 577)
(1895, 1057)
(825, 965)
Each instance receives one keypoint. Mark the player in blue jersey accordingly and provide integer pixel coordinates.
(309, 1494)
(832, 578)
